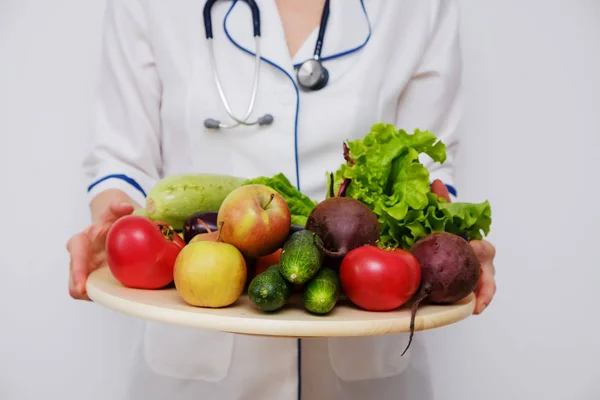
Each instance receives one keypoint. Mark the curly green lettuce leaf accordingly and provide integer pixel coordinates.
(300, 205)
(384, 172)
(473, 220)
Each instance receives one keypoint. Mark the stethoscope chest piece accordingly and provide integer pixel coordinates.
(312, 75)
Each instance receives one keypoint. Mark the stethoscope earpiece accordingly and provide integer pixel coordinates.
(210, 123)
(266, 119)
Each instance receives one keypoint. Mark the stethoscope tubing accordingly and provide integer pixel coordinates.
(208, 19)
(211, 123)
(322, 29)
(244, 120)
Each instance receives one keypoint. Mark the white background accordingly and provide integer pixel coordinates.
(531, 142)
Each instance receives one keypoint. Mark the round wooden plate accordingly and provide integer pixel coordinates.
(167, 306)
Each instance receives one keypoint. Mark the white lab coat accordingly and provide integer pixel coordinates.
(157, 89)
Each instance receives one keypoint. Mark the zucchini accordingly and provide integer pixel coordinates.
(140, 211)
(174, 198)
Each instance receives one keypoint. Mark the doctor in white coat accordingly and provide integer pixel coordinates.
(330, 69)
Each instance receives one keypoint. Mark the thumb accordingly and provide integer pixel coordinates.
(107, 218)
(440, 189)
(115, 211)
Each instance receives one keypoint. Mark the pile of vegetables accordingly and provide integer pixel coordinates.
(388, 237)
(380, 237)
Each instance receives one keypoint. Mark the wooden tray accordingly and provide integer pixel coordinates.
(168, 307)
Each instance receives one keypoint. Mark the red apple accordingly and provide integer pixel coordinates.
(255, 219)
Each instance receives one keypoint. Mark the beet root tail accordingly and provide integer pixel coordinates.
(423, 293)
(339, 253)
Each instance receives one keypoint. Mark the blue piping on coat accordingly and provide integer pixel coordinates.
(296, 126)
(125, 178)
(452, 190)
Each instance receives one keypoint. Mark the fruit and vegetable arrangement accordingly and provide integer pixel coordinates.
(380, 237)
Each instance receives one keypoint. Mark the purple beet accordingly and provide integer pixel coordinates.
(450, 271)
(343, 224)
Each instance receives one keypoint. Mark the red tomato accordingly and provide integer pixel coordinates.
(264, 262)
(379, 280)
(141, 253)
(179, 240)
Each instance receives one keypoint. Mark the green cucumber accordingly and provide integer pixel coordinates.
(269, 291)
(174, 198)
(300, 257)
(321, 293)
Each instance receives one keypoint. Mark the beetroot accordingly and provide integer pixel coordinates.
(450, 271)
(343, 224)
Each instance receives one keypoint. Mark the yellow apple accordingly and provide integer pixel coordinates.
(210, 274)
(255, 219)
(211, 236)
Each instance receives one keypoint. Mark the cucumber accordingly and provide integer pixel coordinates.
(300, 257)
(321, 293)
(269, 291)
(174, 198)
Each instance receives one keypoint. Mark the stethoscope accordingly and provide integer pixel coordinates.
(311, 74)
